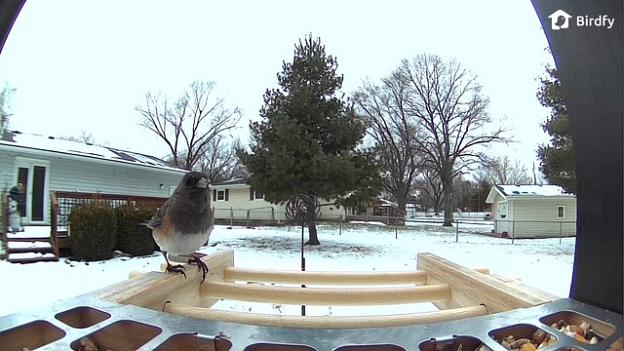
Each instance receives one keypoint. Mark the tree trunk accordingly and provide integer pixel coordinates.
(402, 204)
(313, 240)
(436, 206)
(447, 185)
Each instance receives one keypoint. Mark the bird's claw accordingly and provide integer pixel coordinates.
(175, 269)
(200, 265)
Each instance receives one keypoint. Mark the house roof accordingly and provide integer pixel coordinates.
(237, 183)
(385, 203)
(38, 144)
(231, 182)
(508, 191)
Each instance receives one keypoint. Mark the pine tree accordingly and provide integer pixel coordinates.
(306, 142)
(557, 159)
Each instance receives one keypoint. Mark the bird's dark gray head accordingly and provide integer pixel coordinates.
(195, 180)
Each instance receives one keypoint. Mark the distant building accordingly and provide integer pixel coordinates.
(524, 211)
(238, 201)
(383, 207)
(45, 164)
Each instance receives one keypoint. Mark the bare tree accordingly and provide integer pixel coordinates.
(219, 161)
(450, 108)
(86, 138)
(5, 98)
(190, 124)
(503, 171)
(430, 185)
(388, 124)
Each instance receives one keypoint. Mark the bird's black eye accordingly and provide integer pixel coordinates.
(189, 181)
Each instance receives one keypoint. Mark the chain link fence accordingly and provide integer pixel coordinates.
(248, 216)
(522, 229)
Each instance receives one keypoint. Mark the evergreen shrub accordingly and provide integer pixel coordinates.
(92, 231)
(133, 236)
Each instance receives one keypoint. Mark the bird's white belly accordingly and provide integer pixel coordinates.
(184, 244)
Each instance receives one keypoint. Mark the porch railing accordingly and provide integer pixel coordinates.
(4, 223)
(64, 202)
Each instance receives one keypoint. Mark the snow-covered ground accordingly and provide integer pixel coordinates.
(545, 263)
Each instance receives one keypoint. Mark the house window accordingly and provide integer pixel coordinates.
(220, 195)
(255, 195)
(380, 211)
(561, 212)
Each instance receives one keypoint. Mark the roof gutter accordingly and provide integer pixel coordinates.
(229, 186)
(540, 197)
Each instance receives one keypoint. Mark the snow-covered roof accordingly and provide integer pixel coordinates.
(38, 144)
(231, 182)
(528, 191)
(386, 203)
(236, 183)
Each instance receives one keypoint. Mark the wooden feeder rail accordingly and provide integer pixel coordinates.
(324, 278)
(333, 322)
(327, 296)
(458, 292)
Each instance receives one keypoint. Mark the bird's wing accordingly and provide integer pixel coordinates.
(157, 218)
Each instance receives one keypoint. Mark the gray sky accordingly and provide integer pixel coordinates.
(84, 65)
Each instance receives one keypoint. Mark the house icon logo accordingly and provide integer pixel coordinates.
(559, 20)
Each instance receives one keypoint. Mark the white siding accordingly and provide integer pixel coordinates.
(7, 171)
(93, 177)
(239, 204)
(501, 212)
(538, 217)
(535, 217)
(69, 175)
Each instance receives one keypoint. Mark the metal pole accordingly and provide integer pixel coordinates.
(231, 216)
(396, 227)
(456, 230)
(560, 231)
(302, 264)
(513, 231)
(340, 225)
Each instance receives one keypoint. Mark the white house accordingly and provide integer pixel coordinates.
(237, 200)
(523, 211)
(45, 164)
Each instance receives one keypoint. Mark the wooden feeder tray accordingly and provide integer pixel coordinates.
(129, 316)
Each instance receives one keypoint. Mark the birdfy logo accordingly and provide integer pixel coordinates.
(561, 20)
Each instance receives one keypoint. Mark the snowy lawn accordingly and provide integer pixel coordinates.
(545, 263)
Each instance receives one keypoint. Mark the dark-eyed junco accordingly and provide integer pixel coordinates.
(184, 222)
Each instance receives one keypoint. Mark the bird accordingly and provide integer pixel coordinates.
(561, 20)
(184, 222)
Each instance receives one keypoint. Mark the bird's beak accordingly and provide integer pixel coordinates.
(202, 183)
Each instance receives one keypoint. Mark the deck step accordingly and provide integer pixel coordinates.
(27, 239)
(40, 249)
(30, 257)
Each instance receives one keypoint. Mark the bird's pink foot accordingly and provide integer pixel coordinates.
(175, 269)
(196, 258)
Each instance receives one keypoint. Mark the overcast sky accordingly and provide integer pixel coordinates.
(85, 65)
